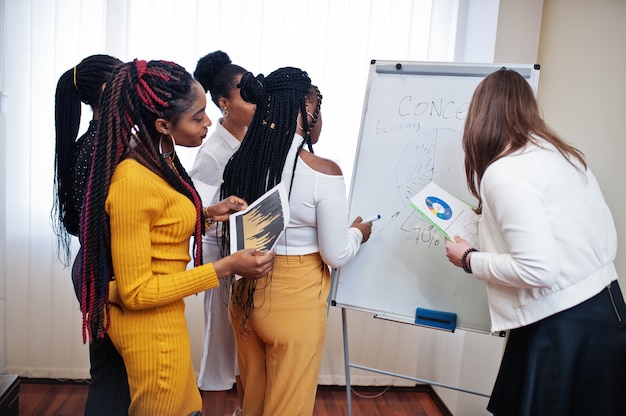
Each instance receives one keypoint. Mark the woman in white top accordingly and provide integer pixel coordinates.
(280, 320)
(218, 366)
(547, 247)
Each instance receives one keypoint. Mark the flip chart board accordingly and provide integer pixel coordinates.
(410, 135)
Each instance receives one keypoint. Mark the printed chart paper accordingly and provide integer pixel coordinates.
(450, 215)
(260, 226)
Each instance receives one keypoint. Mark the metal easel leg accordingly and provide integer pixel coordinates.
(346, 357)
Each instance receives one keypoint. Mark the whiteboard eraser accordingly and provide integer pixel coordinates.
(436, 319)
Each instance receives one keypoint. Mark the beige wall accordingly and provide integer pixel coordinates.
(582, 91)
(517, 37)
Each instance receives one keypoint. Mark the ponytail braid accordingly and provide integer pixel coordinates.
(82, 83)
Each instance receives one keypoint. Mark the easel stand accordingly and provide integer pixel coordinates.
(348, 365)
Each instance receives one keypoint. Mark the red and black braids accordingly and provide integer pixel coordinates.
(138, 93)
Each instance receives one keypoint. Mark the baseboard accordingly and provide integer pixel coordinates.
(41, 380)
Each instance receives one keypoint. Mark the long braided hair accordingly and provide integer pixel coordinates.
(138, 94)
(80, 84)
(258, 164)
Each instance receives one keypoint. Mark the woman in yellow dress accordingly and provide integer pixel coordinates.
(140, 210)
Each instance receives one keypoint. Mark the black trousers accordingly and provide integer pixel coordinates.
(108, 393)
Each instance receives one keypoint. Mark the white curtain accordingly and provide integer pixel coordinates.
(334, 40)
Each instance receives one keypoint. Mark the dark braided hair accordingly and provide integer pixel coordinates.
(258, 164)
(138, 94)
(82, 83)
(216, 74)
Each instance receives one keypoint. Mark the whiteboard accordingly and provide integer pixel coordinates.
(411, 131)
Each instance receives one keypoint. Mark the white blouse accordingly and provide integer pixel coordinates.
(318, 214)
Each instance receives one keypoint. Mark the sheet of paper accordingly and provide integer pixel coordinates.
(260, 226)
(450, 215)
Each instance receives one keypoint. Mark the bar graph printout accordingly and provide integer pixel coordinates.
(260, 226)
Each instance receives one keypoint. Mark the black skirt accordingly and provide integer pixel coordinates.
(569, 364)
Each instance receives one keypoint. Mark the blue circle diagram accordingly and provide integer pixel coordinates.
(439, 207)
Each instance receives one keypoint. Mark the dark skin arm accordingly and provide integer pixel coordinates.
(249, 263)
(222, 210)
(366, 228)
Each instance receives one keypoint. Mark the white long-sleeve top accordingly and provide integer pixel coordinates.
(318, 214)
(208, 167)
(547, 236)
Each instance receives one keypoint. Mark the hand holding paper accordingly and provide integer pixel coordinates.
(247, 263)
(223, 209)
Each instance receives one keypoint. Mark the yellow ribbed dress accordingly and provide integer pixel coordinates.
(151, 226)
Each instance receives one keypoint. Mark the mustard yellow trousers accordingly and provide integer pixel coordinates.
(280, 347)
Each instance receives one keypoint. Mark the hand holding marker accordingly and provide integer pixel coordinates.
(372, 218)
(365, 226)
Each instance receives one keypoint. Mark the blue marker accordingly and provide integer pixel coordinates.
(372, 218)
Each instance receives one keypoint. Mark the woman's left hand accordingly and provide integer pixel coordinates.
(455, 250)
(227, 206)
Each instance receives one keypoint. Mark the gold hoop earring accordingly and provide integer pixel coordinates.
(298, 123)
(225, 112)
(310, 125)
(171, 153)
